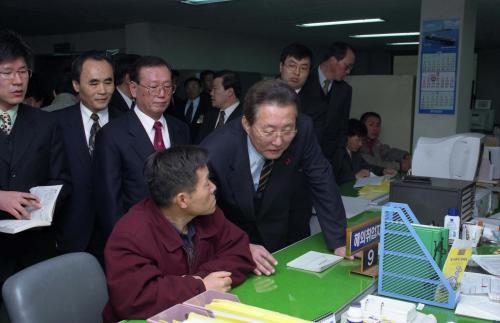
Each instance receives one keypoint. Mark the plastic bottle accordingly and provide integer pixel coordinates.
(354, 313)
(452, 222)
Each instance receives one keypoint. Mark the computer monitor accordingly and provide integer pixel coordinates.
(453, 157)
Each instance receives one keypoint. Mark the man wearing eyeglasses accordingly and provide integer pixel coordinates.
(31, 154)
(124, 144)
(253, 162)
(326, 97)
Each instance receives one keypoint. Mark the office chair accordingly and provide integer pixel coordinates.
(67, 288)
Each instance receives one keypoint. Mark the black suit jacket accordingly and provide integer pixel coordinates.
(75, 227)
(210, 120)
(230, 167)
(345, 167)
(122, 147)
(330, 113)
(195, 123)
(32, 155)
(117, 102)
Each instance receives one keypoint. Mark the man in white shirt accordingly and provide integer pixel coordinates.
(92, 77)
(123, 146)
(225, 100)
(122, 98)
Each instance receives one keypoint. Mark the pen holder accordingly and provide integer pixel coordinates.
(406, 268)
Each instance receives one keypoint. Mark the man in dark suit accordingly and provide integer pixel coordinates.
(122, 98)
(31, 154)
(92, 75)
(192, 111)
(124, 144)
(225, 101)
(326, 97)
(253, 163)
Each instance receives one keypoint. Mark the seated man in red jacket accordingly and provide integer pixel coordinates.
(175, 244)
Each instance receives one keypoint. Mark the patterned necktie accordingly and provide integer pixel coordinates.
(326, 85)
(6, 126)
(264, 175)
(93, 132)
(158, 144)
(189, 112)
(220, 120)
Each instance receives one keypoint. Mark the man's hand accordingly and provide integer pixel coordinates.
(263, 259)
(405, 163)
(15, 203)
(218, 280)
(390, 171)
(363, 173)
(340, 251)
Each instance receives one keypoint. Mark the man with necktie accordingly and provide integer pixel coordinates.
(92, 76)
(123, 145)
(225, 101)
(31, 154)
(253, 163)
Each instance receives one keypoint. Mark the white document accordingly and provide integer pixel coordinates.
(478, 307)
(490, 263)
(475, 283)
(370, 180)
(314, 261)
(39, 217)
(354, 205)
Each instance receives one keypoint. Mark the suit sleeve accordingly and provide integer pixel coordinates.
(325, 193)
(59, 167)
(137, 287)
(232, 251)
(107, 180)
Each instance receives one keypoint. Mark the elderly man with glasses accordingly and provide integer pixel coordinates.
(124, 144)
(253, 162)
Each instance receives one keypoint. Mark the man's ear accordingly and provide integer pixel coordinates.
(76, 86)
(133, 89)
(245, 124)
(181, 200)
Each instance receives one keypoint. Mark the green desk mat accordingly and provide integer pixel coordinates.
(306, 295)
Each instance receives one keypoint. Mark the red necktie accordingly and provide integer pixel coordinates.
(158, 141)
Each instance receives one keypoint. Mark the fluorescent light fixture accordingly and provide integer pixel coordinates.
(409, 43)
(416, 33)
(198, 2)
(341, 22)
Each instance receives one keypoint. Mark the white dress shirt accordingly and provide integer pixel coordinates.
(88, 122)
(196, 103)
(257, 161)
(148, 123)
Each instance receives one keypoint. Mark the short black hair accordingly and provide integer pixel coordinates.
(367, 115)
(12, 46)
(205, 73)
(230, 80)
(96, 55)
(147, 61)
(356, 128)
(192, 79)
(337, 50)
(272, 91)
(123, 65)
(297, 51)
(172, 171)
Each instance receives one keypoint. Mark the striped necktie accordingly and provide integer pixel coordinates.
(93, 132)
(326, 85)
(265, 173)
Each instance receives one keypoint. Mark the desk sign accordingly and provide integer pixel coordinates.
(362, 236)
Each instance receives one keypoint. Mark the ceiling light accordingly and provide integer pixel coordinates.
(416, 33)
(404, 43)
(341, 22)
(198, 2)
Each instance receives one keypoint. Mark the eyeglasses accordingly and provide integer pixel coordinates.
(348, 67)
(272, 135)
(292, 67)
(156, 90)
(23, 73)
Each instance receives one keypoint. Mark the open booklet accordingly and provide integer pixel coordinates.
(39, 217)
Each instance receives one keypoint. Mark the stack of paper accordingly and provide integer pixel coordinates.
(354, 205)
(314, 261)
